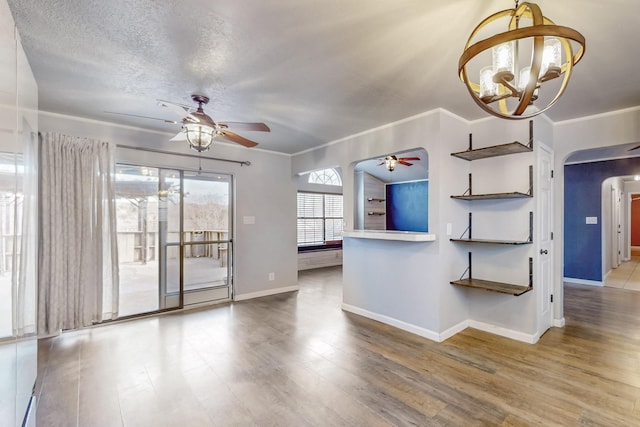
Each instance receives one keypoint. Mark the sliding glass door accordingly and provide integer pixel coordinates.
(173, 238)
(137, 213)
(206, 219)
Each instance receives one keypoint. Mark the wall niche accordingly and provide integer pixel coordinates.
(392, 192)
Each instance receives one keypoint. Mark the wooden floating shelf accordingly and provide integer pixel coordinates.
(471, 239)
(468, 195)
(493, 242)
(503, 288)
(375, 199)
(376, 213)
(513, 195)
(496, 150)
(500, 287)
(493, 151)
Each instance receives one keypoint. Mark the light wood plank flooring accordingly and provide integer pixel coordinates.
(297, 360)
(625, 276)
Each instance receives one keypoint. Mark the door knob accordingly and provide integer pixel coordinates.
(543, 251)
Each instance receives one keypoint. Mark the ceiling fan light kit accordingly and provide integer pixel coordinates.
(390, 162)
(199, 136)
(522, 59)
(200, 130)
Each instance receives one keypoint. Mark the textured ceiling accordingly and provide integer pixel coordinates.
(313, 70)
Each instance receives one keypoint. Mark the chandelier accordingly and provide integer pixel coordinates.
(513, 65)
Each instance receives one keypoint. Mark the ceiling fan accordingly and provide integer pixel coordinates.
(392, 161)
(200, 130)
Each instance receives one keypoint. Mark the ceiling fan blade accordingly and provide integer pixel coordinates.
(634, 148)
(402, 162)
(230, 136)
(183, 111)
(409, 158)
(142, 117)
(181, 136)
(256, 127)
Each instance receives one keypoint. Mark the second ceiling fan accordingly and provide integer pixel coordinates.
(392, 161)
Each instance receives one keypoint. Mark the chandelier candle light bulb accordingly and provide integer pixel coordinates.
(503, 61)
(488, 88)
(551, 59)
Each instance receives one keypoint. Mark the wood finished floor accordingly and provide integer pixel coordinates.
(297, 360)
(625, 276)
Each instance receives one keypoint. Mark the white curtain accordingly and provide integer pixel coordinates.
(78, 267)
(26, 231)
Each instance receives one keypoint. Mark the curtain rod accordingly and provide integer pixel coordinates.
(171, 153)
(195, 156)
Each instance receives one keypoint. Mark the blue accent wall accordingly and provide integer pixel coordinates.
(583, 198)
(408, 206)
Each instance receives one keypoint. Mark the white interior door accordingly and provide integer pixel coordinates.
(544, 238)
(612, 241)
(619, 211)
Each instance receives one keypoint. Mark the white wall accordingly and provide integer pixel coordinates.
(405, 282)
(508, 220)
(410, 282)
(265, 190)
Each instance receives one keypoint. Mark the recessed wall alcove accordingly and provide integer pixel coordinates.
(393, 196)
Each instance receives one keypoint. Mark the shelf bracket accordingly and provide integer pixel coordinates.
(468, 270)
(530, 227)
(530, 193)
(530, 273)
(531, 134)
(468, 229)
(469, 191)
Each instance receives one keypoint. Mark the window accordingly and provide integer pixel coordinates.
(319, 219)
(326, 177)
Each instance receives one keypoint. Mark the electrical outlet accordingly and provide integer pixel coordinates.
(272, 276)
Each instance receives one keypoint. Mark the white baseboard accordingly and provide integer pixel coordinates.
(559, 323)
(454, 330)
(583, 281)
(504, 332)
(426, 333)
(265, 293)
(439, 337)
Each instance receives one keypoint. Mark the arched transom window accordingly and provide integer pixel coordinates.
(325, 177)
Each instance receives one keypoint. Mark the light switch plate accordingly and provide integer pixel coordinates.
(591, 220)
